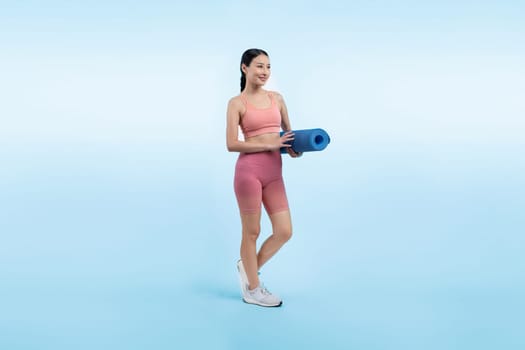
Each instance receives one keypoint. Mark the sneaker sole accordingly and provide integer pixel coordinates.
(264, 305)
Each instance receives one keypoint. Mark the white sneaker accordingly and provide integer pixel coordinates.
(243, 278)
(261, 296)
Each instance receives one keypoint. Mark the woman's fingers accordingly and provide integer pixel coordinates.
(288, 136)
(294, 154)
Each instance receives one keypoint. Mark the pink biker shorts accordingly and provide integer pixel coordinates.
(258, 179)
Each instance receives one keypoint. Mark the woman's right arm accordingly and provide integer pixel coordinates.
(233, 144)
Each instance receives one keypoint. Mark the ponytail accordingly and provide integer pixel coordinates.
(243, 80)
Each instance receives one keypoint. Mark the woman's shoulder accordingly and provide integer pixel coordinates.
(278, 98)
(236, 101)
(236, 104)
(276, 94)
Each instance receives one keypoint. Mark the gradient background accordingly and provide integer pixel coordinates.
(118, 224)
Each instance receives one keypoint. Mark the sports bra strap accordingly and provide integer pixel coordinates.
(244, 100)
(246, 103)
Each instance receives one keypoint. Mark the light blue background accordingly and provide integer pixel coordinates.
(118, 224)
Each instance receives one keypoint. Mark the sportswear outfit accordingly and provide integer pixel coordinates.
(258, 179)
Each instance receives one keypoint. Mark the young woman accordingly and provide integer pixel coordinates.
(261, 114)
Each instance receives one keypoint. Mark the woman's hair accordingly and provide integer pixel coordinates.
(247, 58)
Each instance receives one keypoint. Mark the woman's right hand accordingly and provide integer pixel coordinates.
(283, 141)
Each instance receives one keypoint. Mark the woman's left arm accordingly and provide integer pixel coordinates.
(285, 121)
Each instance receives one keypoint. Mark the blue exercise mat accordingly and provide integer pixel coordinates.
(308, 140)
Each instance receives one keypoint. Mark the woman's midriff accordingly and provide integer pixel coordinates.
(269, 138)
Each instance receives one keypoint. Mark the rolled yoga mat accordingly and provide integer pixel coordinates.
(308, 140)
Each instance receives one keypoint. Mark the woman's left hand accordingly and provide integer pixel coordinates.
(293, 154)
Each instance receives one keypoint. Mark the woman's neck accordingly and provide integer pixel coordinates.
(253, 90)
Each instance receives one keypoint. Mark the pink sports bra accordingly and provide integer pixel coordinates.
(257, 121)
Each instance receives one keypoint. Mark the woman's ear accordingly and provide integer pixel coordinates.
(244, 68)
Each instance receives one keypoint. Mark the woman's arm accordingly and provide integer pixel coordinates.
(235, 108)
(285, 122)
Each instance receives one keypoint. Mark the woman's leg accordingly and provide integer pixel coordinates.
(251, 227)
(282, 232)
(255, 293)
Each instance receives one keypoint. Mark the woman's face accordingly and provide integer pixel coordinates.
(258, 71)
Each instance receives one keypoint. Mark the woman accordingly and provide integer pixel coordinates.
(261, 114)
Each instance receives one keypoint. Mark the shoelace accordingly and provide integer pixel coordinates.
(265, 291)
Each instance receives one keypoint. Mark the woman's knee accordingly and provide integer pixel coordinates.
(284, 234)
(251, 232)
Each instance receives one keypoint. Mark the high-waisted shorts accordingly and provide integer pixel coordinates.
(258, 179)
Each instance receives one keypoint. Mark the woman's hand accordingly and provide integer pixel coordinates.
(287, 137)
(293, 154)
(284, 141)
